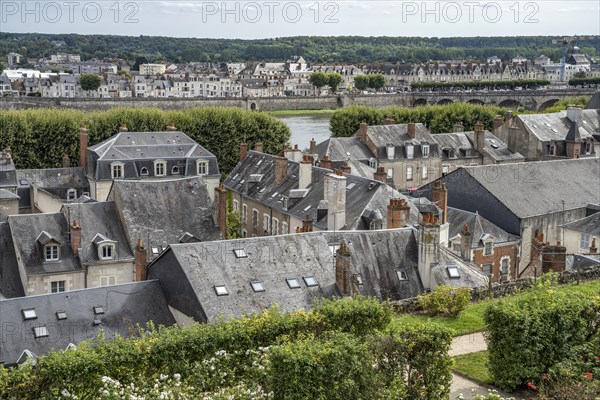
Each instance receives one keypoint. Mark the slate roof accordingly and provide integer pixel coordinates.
(469, 274)
(457, 141)
(594, 103)
(555, 126)
(26, 229)
(160, 211)
(55, 181)
(478, 226)
(139, 150)
(496, 148)
(98, 218)
(361, 194)
(397, 135)
(589, 225)
(5, 195)
(343, 148)
(375, 255)
(10, 280)
(123, 307)
(8, 175)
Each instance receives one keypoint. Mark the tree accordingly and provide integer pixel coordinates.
(90, 82)
(334, 81)
(1, 67)
(580, 74)
(376, 81)
(319, 79)
(361, 82)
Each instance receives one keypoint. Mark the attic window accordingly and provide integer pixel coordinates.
(310, 281)
(453, 272)
(202, 167)
(40, 331)
(293, 283)
(307, 208)
(71, 194)
(175, 170)
(350, 186)
(29, 313)
(106, 252)
(155, 250)
(98, 310)
(144, 171)
(402, 275)
(221, 290)
(51, 252)
(258, 286)
(240, 253)
(60, 315)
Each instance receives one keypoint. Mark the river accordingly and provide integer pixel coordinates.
(306, 127)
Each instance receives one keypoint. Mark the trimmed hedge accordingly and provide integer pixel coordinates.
(39, 138)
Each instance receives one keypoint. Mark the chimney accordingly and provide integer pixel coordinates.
(362, 132)
(243, 151)
(325, 162)
(398, 214)
(411, 130)
(429, 247)
(307, 224)
(479, 136)
(75, 231)
(304, 173)
(281, 170)
(335, 195)
(380, 175)
(313, 146)
(458, 127)
(171, 127)
(508, 116)
(439, 195)
(574, 113)
(593, 248)
(83, 145)
(66, 161)
(123, 128)
(220, 209)
(389, 121)
(343, 272)
(346, 169)
(554, 258)
(258, 147)
(465, 243)
(6, 153)
(498, 121)
(293, 154)
(141, 260)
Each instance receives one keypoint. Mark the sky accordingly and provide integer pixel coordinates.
(280, 18)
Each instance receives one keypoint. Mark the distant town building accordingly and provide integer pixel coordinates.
(152, 69)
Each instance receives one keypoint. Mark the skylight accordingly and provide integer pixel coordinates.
(307, 208)
(221, 290)
(29, 313)
(310, 281)
(98, 310)
(350, 186)
(40, 331)
(453, 272)
(240, 253)
(293, 283)
(402, 275)
(258, 286)
(61, 315)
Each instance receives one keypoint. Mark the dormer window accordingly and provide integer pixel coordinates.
(373, 163)
(51, 252)
(552, 149)
(107, 252)
(71, 194)
(175, 170)
(202, 167)
(588, 147)
(144, 171)
(410, 150)
(117, 170)
(106, 247)
(487, 248)
(160, 168)
(425, 150)
(451, 153)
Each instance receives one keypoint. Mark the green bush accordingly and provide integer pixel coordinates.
(39, 138)
(527, 336)
(560, 105)
(445, 301)
(359, 315)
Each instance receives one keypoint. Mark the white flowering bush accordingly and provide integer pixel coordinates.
(491, 395)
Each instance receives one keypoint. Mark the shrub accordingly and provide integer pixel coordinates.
(445, 301)
(359, 315)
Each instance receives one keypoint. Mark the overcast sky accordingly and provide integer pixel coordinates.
(277, 18)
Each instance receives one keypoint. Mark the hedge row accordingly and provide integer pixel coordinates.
(39, 138)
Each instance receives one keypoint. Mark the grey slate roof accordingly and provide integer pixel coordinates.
(555, 126)
(124, 306)
(496, 148)
(458, 141)
(26, 229)
(6, 195)
(160, 211)
(478, 226)
(469, 275)
(191, 271)
(8, 175)
(594, 103)
(98, 218)
(55, 181)
(397, 135)
(10, 280)
(343, 148)
(589, 225)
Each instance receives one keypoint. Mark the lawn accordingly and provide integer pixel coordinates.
(471, 318)
(474, 366)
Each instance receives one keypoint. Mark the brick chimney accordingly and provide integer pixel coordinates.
(313, 146)
(66, 161)
(362, 132)
(554, 258)
(508, 116)
(411, 130)
(466, 239)
(83, 145)
(220, 209)
(398, 214)
(479, 136)
(346, 169)
(243, 151)
(325, 162)
(123, 128)
(439, 195)
(380, 175)
(389, 121)
(171, 127)
(75, 231)
(498, 121)
(258, 147)
(307, 224)
(593, 248)
(335, 195)
(458, 127)
(281, 170)
(304, 172)
(141, 260)
(429, 247)
(343, 270)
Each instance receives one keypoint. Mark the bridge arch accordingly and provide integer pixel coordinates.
(476, 101)
(420, 102)
(445, 101)
(510, 103)
(253, 106)
(547, 104)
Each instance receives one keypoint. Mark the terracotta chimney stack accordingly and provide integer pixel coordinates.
(220, 206)
(123, 128)
(398, 214)
(380, 175)
(411, 130)
(307, 224)
(362, 132)
(343, 270)
(479, 136)
(75, 231)
(346, 169)
(439, 195)
(325, 162)
(243, 151)
(459, 127)
(141, 260)
(281, 170)
(83, 145)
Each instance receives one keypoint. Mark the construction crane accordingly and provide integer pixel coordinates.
(565, 42)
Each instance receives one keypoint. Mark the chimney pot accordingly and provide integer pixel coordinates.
(123, 128)
(459, 127)
(243, 151)
(380, 175)
(498, 121)
(313, 146)
(346, 168)
(141, 261)
(258, 147)
(171, 127)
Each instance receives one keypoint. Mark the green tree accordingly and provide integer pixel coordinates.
(361, 82)
(376, 81)
(334, 81)
(90, 82)
(580, 74)
(1, 67)
(319, 79)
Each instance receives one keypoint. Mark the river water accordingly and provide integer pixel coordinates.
(306, 127)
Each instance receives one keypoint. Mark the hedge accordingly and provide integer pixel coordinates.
(39, 138)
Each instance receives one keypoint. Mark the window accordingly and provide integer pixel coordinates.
(373, 163)
(284, 228)
(202, 167)
(236, 205)
(505, 265)
(425, 150)
(29, 313)
(221, 290)
(71, 194)
(240, 253)
(424, 172)
(487, 249)
(51, 252)
(98, 310)
(244, 214)
(310, 281)
(107, 252)
(258, 286)
(175, 170)
(40, 331)
(551, 150)
(402, 275)
(60, 315)
(487, 269)
(456, 247)
(144, 171)
(254, 218)
(375, 225)
(160, 168)
(584, 241)
(409, 173)
(409, 150)
(445, 169)
(57, 286)
(108, 280)
(390, 173)
(266, 223)
(275, 227)
(588, 147)
(453, 272)
(293, 283)
(117, 170)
